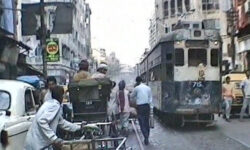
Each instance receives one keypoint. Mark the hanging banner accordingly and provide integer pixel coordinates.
(59, 14)
(52, 50)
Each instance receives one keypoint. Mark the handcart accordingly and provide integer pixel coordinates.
(89, 99)
(96, 144)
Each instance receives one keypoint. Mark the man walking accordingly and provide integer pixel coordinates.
(143, 95)
(42, 133)
(245, 85)
(228, 96)
(122, 97)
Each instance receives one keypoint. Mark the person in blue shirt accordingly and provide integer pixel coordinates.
(143, 96)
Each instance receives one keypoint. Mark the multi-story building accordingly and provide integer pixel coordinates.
(153, 31)
(99, 55)
(113, 66)
(242, 8)
(73, 47)
(213, 13)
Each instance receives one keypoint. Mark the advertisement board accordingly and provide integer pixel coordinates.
(52, 50)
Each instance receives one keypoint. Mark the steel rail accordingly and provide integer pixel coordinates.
(137, 135)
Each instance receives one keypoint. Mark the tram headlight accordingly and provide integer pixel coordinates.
(178, 42)
(216, 43)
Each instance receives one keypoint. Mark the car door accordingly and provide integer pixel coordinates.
(18, 131)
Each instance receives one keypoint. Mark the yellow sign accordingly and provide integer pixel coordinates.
(52, 48)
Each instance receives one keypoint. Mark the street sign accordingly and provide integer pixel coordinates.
(52, 50)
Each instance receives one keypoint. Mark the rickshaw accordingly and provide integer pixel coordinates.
(89, 101)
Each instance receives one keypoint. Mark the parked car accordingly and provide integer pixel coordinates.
(17, 110)
(236, 79)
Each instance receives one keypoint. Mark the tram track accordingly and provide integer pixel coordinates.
(137, 134)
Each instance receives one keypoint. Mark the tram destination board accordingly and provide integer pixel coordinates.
(197, 43)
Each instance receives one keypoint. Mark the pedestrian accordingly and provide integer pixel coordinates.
(51, 83)
(143, 96)
(122, 97)
(83, 73)
(228, 96)
(42, 133)
(112, 104)
(113, 111)
(101, 71)
(245, 86)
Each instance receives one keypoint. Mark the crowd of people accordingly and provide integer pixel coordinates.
(42, 133)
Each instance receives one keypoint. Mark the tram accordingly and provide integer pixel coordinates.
(184, 72)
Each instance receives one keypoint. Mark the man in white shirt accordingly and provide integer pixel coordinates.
(51, 83)
(245, 85)
(42, 133)
(143, 96)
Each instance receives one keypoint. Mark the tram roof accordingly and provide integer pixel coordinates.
(185, 34)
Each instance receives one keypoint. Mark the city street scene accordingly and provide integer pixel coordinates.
(124, 74)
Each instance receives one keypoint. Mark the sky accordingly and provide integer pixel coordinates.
(121, 26)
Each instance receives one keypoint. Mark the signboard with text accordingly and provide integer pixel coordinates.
(52, 50)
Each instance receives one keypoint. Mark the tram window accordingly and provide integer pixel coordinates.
(196, 26)
(179, 57)
(214, 57)
(197, 56)
(166, 30)
(173, 27)
(186, 26)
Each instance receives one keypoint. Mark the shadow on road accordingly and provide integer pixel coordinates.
(189, 127)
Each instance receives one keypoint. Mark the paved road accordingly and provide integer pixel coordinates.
(224, 136)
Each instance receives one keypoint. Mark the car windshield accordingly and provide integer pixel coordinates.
(4, 100)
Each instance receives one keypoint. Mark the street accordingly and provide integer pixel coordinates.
(73, 73)
(222, 136)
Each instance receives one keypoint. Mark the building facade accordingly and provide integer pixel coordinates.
(153, 31)
(99, 55)
(73, 47)
(213, 13)
(12, 50)
(242, 8)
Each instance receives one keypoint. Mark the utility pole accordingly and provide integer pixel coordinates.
(232, 19)
(43, 37)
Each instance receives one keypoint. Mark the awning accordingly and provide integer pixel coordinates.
(18, 43)
(5, 32)
(4, 35)
(27, 69)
